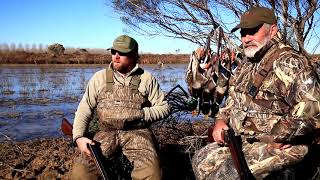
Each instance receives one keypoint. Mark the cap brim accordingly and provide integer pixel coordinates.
(236, 28)
(246, 25)
(123, 51)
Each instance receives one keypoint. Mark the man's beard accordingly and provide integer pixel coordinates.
(251, 51)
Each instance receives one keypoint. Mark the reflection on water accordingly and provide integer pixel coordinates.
(34, 98)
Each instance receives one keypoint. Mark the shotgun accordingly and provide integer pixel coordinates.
(66, 128)
(235, 145)
(96, 153)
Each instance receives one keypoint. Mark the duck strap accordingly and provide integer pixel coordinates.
(109, 80)
(136, 79)
(253, 86)
(134, 84)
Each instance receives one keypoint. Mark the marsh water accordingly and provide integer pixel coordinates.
(34, 98)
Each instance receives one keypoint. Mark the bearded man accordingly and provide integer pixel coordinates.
(127, 100)
(273, 98)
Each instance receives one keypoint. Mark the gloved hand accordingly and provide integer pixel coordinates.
(135, 122)
(115, 120)
(136, 115)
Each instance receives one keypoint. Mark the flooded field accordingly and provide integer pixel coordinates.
(34, 98)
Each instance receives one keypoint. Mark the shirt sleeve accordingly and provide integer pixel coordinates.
(304, 98)
(85, 108)
(159, 108)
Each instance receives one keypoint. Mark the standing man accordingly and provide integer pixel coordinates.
(127, 100)
(273, 98)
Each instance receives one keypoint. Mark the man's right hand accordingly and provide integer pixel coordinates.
(82, 145)
(219, 126)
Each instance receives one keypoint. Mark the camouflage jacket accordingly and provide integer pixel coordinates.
(286, 105)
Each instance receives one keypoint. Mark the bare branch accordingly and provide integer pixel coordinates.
(193, 20)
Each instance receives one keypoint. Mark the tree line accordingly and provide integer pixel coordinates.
(57, 54)
(55, 48)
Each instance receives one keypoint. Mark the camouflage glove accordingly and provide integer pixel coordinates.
(135, 116)
(136, 122)
(291, 130)
(115, 122)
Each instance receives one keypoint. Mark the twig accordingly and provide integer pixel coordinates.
(12, 141)
(12, 168)
(316, 175)
(194, 142)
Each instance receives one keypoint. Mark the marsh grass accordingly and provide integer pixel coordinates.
(6, 86)
(23, 57)
(46, 93)
(7, 92)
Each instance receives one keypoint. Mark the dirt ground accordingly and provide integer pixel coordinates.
(52, 158)
(42, 159)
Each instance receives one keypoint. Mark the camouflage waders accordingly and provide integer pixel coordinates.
(215, 162)
(116, 105)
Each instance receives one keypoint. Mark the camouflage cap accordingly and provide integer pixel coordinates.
(256, 16)
(125, 44)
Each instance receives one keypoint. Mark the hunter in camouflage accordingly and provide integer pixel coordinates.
(127, 100)
(273, 101)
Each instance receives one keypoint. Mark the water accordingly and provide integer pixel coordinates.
(34, 98)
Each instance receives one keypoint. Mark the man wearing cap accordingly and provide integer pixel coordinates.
(273, 103)
(127, 100)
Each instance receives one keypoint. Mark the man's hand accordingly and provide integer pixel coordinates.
(219, 127)
(82, 145)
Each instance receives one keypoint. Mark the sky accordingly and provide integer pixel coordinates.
(73, 23)
(77, 24)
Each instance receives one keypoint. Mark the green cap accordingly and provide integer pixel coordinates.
(256, 16)
(125, 44)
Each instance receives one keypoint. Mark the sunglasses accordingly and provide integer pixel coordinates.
(250, 31)
(113, 52)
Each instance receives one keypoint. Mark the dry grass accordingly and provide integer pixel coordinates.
(23, 57)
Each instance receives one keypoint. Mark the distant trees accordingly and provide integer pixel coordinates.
(56, 49)
(4, 47)
(40, 48)
(83, 51)
(53, 49)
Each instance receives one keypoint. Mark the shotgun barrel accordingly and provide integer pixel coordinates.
(96, 153)
(235, 145)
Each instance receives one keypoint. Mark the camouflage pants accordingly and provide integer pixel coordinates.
(215, 162)
(137, 146)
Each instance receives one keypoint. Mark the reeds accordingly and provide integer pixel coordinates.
(76, 57)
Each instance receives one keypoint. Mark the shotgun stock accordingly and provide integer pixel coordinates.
(235, 145)
(66, 127)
